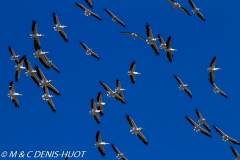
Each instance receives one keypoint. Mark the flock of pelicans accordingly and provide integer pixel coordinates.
(97, 108)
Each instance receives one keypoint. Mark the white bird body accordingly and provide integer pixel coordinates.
(39, 53)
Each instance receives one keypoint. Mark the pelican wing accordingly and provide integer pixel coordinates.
(141, 136)
(93, 104)
(115, 149)
(55, 68)
(169, 56)
(185, 11)
(155, 48)
(36, 43)
(161, 39)
(149, 31)
(81, 6)
(95, 55)
(96, 16)
(132, 67)
(100, 107)
(98, 137)
(27, 64)
(105, 87)
(84, 45)
(198, 114)
(201, 16)
(109, 12)
(89, 3)
(191, 121)
(171, 1)
(219, 131)
(188, 92)
(99, 97)
(179, 80)
(15, 101)
(213, 62)
(141, 38)
(205, 132)
(11, 87)
(96, 117)
(211, 75)
(53, 89)
(17, 75)
(133, 78)
(101, 150)
(118, 84)
(50, 103)
(168, 43)
(40, 73)
(223, 94)
(233, 141)
(121, 22)
(130, 121)
(12, 53)
(192, 4)
(43, 61)
(235, 152)
(119, 98)
(33, 75)
(63, 35)
(126, 33)
(34, 27)
(206, 126)
(55, 19)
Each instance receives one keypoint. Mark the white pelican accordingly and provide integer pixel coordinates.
(19, 67)
(177, 5)
(95, 111)
(14, 56)
(202, 120)
(35, 33)
(100, 144)
(59, 27)
(31, 72)
(47, 97)
(89, 3)
(13, 94)
(169, 49)
(112, 93)
(151, 40)
(163, 44)
(136, 130)
(196, 10)
(115, 18)
(235, 152)
(89, 51)
(183, 86)
(212, 68)
(88, 12)
(100, 103)
(132, 72)
(119, 154)
(119, 89)
(225, 136)
(45, 82)
(217, 90)
(133, 35)
(197, 127)
(40, 55)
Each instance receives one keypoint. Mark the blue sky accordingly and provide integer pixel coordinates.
(154, 101)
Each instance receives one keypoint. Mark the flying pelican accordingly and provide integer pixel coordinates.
(94, 111)
(136, 130)
(197, 127)
(88, 12)
(163, 44)
(46, 82)
(115, 18)
(100, 144)
(47, 97)
(133, 35)
(119, 154)
(59, 27)
(225, 136)
(151, 40)
(196, 10)
(35, 33)
(41, 55)
(14, 56)
(132, 72)
(112, 93)
(202, 120)
(100, 103)
(235, 152)
(183, 86)
(212, 68)
(169, 49)
(31, 72)
(217, 90)
(89, 3)
(89, 51)
(13, 94)
(119, 89)
(19, 67)
(177, 5)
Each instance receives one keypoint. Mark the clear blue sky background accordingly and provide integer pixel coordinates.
(154, 101)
